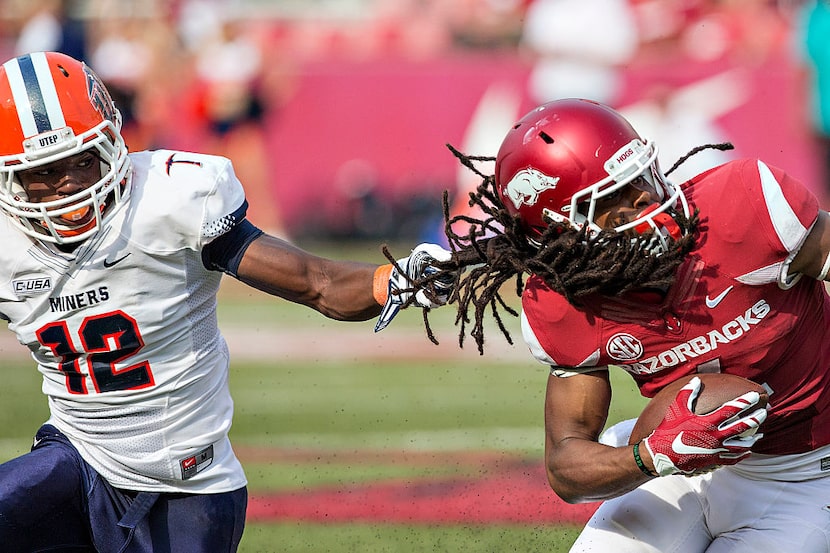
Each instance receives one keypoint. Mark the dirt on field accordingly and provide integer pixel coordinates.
(504, 488)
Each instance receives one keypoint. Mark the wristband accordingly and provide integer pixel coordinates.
(639, 460)
(380, 284)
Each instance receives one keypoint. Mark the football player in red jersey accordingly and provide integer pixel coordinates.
(109, 270)
(619, 268)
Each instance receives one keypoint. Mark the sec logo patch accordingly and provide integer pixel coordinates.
(624, 347)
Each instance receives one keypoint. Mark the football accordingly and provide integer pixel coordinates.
(716, 389)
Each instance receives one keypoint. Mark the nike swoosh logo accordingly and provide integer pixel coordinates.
(712, 303)
(682, 449)
(108, 263)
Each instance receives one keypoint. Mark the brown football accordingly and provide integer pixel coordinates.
(716, 389)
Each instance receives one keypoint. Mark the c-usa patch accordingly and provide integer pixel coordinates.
(825, 463)
(29, 287)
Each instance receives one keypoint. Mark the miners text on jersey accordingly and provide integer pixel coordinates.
(87, 298)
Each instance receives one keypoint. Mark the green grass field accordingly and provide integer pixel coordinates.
(370, 403)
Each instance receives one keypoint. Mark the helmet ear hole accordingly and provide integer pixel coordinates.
(546, 137)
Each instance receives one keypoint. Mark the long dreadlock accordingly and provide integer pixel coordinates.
(574, 263)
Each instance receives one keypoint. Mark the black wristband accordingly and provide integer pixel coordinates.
(639, 460)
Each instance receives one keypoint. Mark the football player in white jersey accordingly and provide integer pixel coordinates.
(109, 270)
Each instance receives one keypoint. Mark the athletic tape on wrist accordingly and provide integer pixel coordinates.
(380, 284)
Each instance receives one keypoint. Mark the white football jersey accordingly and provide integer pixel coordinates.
(124, 329)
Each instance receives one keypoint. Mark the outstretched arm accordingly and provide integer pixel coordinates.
(341, 290)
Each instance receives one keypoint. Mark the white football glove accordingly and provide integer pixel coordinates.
(418, 265)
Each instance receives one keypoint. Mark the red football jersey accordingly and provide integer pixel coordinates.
(727, 311)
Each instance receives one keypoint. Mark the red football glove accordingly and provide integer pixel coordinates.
(688, 443)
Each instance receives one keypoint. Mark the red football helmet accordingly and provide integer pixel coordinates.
(559, 159)
(54, 107)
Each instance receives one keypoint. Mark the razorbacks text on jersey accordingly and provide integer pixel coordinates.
(124, 328)
(733, 309)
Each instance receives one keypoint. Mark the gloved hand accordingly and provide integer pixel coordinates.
(408, 271)
(689, 443)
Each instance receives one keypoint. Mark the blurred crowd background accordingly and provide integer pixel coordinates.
(336, 113)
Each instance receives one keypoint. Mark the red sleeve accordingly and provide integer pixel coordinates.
(746, 205)
(558, 333)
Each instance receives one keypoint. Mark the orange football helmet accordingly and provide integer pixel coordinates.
(54, 107)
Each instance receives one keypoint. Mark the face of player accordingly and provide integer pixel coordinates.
(61, 179)
(625, 204)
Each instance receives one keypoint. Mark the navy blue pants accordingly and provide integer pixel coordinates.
(52, 500)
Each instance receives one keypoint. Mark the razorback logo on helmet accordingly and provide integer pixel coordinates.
(526, 185)
(99, 96)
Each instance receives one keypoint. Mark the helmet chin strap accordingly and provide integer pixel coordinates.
(659, 227)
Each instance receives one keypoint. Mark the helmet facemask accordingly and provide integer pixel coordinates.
(51, 221)
(635, 164)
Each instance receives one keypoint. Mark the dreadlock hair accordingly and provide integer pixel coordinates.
(573, 262)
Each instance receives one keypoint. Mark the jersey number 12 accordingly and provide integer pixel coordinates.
(107, 339)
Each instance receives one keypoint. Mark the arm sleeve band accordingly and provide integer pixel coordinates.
(380, 285)
(225, 252)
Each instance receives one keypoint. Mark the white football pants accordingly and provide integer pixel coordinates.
(729, 510)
